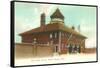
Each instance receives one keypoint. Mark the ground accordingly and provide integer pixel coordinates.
(65, 58)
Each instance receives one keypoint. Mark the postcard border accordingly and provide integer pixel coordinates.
(12, 49)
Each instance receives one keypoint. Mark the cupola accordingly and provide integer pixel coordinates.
(57, 17)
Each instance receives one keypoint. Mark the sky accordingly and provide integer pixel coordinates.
(27, 16)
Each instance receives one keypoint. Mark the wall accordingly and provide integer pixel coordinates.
(41, 38)
(27, 50)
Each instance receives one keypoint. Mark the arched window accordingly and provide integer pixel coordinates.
(51, 35)
(35, 40)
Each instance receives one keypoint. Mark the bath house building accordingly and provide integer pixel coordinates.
(56, 34)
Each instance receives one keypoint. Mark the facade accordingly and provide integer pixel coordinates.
(62, 38)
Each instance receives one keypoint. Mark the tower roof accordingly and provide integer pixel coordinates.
(57, 14)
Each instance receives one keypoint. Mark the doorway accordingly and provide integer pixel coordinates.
(74, 49)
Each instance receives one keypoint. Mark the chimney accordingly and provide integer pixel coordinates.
(42, 19)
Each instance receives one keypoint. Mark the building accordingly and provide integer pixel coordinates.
(62, 38)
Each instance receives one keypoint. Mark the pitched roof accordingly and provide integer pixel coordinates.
(57, 14)
(52, 27)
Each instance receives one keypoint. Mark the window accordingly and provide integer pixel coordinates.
(34, 41)
(67, 46)
(57, 20)
(77, 46)
(51, 35)
(55, 35)
(73, 46)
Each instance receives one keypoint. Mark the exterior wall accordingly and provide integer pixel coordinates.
(23, 51)
(83, 47)
(44, 51)
(41, 38)
(66, 40)
(29, 50)
(27, 39)
(90, 50)
(63, 43)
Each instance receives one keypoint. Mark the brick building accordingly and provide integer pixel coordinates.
(63, 38)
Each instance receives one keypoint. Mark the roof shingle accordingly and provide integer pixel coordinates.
(57, 14)
(52, 27)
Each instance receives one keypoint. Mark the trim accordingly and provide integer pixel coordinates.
(97, 33)
(56, 3)
(12, 52)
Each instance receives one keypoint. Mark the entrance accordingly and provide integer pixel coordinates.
(74, 49)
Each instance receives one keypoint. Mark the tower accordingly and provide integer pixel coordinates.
(57, 17)
(42, 19)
